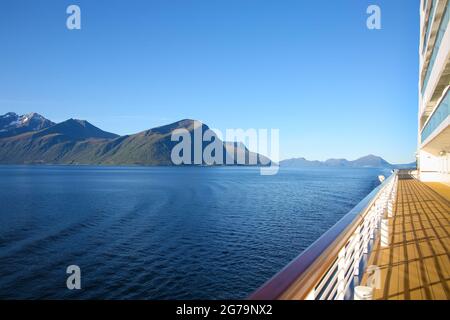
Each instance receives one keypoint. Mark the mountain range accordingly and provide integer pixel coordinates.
(369, 161)
(12, 124)
(32, 139)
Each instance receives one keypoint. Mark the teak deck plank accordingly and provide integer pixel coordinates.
(416, 265)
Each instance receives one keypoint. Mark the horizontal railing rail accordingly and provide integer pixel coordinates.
(328, 268)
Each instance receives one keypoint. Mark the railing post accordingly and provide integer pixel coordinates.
(359, 255)
(374, 223)
(341, 275)
(369, 231)
(379, 211)
(390, 208)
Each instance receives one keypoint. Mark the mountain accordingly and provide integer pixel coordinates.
(300, 162)
(240, 151)
(79, 142)
(406, 165)
(337, 163)
(55, 144)
(32, 138)
(369, 161)
(12, 124)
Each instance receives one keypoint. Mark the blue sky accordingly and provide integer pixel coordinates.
(310, 68)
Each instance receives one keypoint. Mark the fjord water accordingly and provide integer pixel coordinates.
(162, 232)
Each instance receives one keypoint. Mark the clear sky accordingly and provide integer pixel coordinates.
(309, 68)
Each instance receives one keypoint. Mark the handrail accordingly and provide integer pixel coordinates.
(300, 277)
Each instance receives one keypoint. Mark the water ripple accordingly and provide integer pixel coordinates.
(162, 233)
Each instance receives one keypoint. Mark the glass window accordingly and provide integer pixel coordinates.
(439, 115)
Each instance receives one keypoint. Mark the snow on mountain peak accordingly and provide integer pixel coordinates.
(8, 115)
(13, 124)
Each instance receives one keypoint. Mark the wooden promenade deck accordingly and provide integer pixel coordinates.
(416, 265)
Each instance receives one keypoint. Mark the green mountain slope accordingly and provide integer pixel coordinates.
(79, 142)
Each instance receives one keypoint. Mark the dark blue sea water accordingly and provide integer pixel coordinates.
(162, 233)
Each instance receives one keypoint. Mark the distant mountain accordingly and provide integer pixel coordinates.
(411, 165)
(12, 124)
(369, 161)
(300, 162)
(337, 163)
(79, 142)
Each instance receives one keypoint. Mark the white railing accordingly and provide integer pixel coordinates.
(333, 265)
(336, 283)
